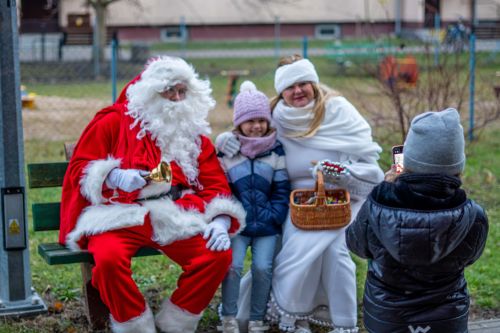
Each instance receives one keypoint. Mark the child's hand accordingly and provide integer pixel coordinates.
(391, 175)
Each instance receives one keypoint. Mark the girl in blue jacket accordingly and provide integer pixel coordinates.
(420, 231)
(258, 178)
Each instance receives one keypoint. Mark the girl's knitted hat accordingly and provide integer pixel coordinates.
(250, 104)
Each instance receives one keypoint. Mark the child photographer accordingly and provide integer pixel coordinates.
(420, 231)
(258, 178)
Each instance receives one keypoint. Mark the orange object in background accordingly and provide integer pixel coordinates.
(401, 73)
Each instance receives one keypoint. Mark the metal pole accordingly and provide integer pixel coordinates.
(437, 46)
(114, 59)
(304, 47)
(183, 37)
(277, 36)
(472, 69)
(397, 23)
(17, 297)
(42, 37)
(95, 47)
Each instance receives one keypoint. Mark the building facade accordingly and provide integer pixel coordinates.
(195, 20)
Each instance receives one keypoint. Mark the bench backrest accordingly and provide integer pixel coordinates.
(44, 175)
(46, 216)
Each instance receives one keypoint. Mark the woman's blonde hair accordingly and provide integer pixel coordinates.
(321, 95)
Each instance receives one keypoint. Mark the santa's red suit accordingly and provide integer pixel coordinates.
(113, 224)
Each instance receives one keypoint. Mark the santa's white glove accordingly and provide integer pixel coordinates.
(333, 172)
(228, 144)
(127, 180)
(216, 233)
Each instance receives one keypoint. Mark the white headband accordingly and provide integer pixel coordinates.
(298, 71)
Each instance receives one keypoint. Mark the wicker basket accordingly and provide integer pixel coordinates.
(319, 215)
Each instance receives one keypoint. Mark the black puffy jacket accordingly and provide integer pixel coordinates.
(419, 233)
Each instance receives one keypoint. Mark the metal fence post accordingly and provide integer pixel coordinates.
(437, 25)
(114, 59)
(304, 47)
(472, 69)
(17, 297)
(397, 21)
(184, 36)
(95, 49)
(277, 36)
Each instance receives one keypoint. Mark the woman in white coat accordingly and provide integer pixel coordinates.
(314, 276)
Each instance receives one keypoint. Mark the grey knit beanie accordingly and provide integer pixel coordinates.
(250, 104)
(435, 143)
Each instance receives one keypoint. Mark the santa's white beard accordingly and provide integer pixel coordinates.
(176, 127)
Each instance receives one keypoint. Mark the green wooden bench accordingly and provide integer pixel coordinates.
(46, 218)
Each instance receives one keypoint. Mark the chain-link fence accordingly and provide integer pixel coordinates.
(63, 87)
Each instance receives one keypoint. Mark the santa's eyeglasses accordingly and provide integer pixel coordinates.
(175, 93)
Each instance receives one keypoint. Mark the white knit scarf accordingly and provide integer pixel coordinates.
(343, 129)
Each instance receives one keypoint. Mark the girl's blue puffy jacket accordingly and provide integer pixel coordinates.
(262, 186)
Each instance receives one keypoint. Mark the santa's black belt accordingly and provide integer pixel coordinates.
(174, 194)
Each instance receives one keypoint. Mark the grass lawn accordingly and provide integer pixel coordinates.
(156, 276)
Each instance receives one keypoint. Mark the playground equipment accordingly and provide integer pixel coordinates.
(401, 73)
(27, 99)
(232, 80)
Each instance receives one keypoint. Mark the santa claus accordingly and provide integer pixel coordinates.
(109, 208)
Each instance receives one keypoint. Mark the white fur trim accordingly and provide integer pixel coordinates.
(143, 324)
(299, 71)
(153, 189)
(94, 175)
(164, 72)
(226, 206)
(173, 319)
(172, 222)
(100, 218)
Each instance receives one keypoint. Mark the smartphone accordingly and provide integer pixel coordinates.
(397, 157)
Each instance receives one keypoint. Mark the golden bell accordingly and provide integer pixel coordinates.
(162, 173)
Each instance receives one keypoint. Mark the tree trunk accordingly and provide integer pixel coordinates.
(100, 12)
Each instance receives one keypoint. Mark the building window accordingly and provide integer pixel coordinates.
(327, 31)
(173, 34)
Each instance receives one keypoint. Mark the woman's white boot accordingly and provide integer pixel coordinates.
(302, 327)
(257, 326)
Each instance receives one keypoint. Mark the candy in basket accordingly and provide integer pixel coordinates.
(320, 209)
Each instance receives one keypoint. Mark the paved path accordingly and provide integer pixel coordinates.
(485, 326)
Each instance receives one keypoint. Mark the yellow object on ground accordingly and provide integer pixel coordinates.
(27, 99)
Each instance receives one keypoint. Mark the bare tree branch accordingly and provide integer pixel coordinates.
(439, 86)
